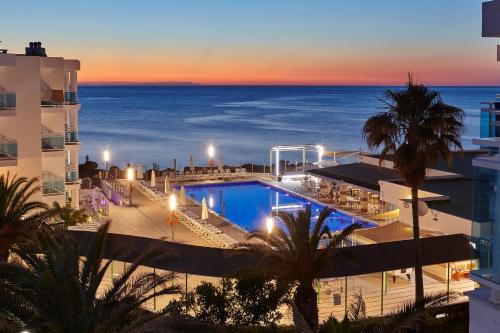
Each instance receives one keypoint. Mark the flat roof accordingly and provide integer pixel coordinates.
(395, 231)
(360, 174)
(461, 161)
(460, 194)
(209, 261)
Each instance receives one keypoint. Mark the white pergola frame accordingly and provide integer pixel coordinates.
(304, 148)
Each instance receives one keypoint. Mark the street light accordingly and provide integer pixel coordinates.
(269, 225)
(211, 154)
(130, 177)
(105, 157)
(172, 204)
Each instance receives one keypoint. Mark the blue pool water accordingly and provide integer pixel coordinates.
(248, 204)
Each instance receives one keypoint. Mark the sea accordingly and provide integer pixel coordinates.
(157, 124)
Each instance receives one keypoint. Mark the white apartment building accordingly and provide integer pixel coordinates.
(39, 122)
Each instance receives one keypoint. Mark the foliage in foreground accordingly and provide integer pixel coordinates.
(19, 213)
(294, 256)
(248, 299)
(48, 288)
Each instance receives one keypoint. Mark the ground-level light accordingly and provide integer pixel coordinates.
(269, 225)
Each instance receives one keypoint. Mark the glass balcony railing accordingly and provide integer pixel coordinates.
(70, 97)
(486, 223)
(8, 149)
(52, 143)
(7, 101)
(52, 183)
(72, 136)
(71, 175)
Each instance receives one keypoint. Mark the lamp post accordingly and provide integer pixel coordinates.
(172, 204)
(130, 177)
(269, 225)
(105, 157)
(211, 154)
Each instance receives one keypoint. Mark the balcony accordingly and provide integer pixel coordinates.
(52, 141)
(72, 136)
(71, 175)
(8, 149)
(52, 98)
(7, 100)
(52, 184)
(70, 97)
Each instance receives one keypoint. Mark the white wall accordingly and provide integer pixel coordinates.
(433, 221)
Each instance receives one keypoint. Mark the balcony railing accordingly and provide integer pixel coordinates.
(70, 97)
(52, 143)
(71, 175)
(72, 136)
(51, 140)
(7, 100)
(52, 183)
(8, 148)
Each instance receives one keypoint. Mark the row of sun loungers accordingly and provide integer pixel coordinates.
(207, 229)
(192, 221)
(209, 174)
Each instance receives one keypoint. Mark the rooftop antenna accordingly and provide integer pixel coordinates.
(3, 50)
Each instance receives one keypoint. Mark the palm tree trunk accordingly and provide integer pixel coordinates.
(305, 299)
(417, 247)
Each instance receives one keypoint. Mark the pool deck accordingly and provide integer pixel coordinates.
(145, 219)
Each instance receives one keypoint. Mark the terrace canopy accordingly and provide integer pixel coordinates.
(303, 148)
(217, 262)
(395, 231)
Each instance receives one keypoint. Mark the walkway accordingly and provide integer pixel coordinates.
(148, 220)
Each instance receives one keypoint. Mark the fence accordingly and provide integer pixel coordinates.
(334, 301)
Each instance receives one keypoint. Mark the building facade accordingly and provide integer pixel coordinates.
(39, 122)
(484, 303)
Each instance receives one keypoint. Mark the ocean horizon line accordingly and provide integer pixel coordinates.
(196, 84)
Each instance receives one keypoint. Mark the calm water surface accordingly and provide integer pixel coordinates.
(159, 123)
(248, 204)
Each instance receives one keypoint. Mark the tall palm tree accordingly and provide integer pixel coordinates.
(51, 289)
(18, 211)
(294, 255)
(416, 129)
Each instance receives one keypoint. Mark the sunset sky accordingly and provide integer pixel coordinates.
(260, 41)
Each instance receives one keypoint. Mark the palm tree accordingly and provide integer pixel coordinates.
(293, 255)
(18, 211)
(51, 289)
(69, 216)
(416, 129)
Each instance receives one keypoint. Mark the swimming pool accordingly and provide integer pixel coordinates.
(248, 204)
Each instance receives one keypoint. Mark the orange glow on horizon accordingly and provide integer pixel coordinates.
(280, 70)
